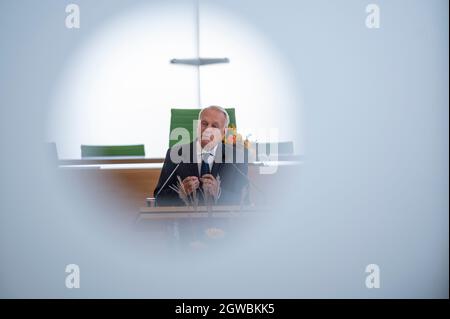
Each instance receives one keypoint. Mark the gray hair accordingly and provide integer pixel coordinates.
(218, 108)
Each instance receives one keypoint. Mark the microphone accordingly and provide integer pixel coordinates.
(167, 180)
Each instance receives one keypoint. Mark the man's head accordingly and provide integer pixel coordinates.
(213, 122)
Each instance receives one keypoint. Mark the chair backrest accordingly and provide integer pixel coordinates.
(112, 150)
(183, 118)
(283, 148)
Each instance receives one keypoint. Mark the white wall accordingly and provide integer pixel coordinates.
(118, 87)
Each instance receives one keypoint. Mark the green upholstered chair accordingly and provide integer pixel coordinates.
(112, 150)
(184, 118)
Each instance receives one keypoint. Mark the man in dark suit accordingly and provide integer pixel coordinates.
(206, 165)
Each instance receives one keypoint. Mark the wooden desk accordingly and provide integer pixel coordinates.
(120, 189)
(126, 185)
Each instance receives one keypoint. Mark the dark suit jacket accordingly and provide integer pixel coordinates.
(231, 169)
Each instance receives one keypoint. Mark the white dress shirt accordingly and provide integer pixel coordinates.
(209, 156)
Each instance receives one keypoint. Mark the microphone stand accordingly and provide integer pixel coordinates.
(165, 182)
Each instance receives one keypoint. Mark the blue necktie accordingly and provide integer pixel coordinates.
(204, 168)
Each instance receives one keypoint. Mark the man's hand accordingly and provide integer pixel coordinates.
(190, 183)
(210, 185)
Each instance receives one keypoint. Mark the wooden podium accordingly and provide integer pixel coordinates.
(178, 222)
(183, 212)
